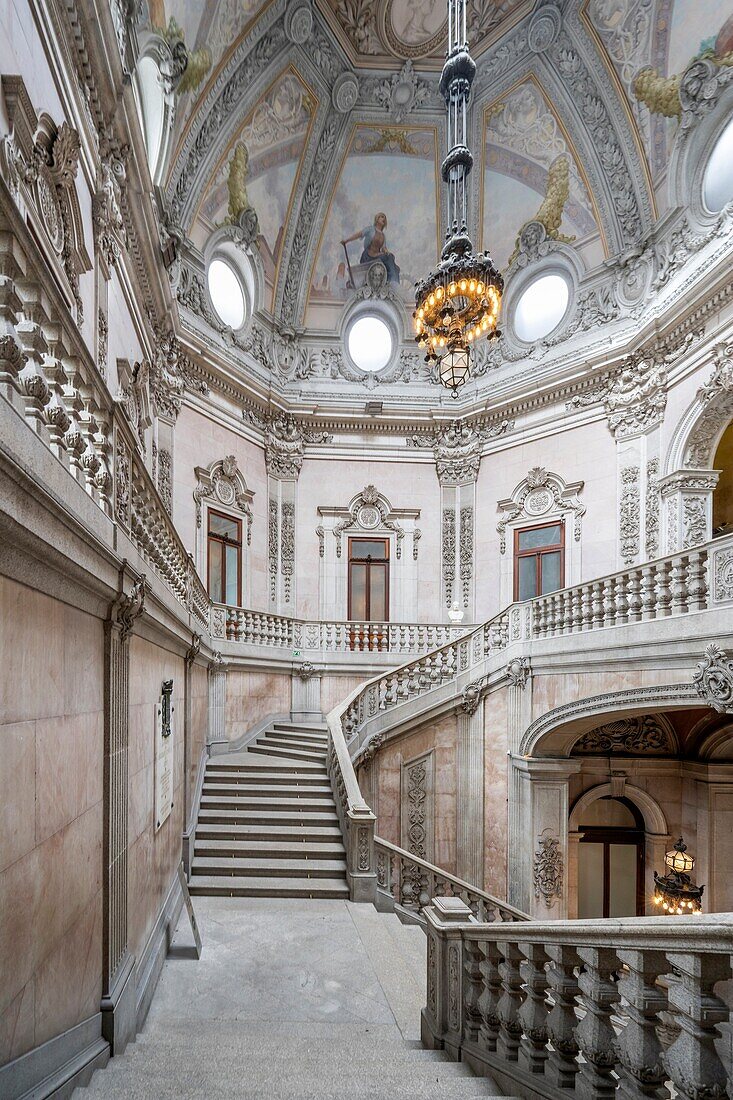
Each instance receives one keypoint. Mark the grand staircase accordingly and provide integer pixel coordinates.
(267, 822)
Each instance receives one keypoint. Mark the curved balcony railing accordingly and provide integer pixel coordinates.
(261, 628)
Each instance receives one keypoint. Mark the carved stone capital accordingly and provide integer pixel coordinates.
(518, 671)
(472, 696)
(128, 607)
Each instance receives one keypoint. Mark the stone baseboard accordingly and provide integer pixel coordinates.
(59, 1066)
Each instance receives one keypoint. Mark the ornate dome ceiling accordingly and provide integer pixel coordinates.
(297, 124)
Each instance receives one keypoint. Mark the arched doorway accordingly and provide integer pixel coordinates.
(723, 493)
(611, 856)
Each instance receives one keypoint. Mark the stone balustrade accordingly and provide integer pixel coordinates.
(140, 513)
(406, 881)
(582, 1008)
(260, 628)
(355, 817)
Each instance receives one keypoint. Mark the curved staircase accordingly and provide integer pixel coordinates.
(267, 823)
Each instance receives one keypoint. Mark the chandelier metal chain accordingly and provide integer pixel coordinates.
(459, 301)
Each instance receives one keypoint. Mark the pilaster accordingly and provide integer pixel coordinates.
(470, 796)
(687, 508)
(217, 735)
(118, 991)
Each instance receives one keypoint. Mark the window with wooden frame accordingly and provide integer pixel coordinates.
(539, 560)
(611, 861)
(224, 538)
(368, 590)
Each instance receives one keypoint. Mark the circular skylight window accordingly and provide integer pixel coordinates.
(717, 185)
(370, 343)
(226, 293)
(541, 307)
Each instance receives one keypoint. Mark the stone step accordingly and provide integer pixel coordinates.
(308, 727)
(241, 886)
(289, 754)
(321, 740)
(321, 834)
(282, 868)
(264, 802)
(270, 849)
(270, 740)
(284, 777)
(247, 764)
(268, 818)
(265, 790)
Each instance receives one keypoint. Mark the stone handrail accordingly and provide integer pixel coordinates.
(263, 628)
(355, 817)
(409, 882)
(582, 1007)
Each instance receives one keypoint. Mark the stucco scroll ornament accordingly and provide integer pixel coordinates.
(128, 607)
(518, 671)
(306, 671)
(535, 496)
(224, 481)
(714, 679)
(457, 448)
(109, 224)
(401, 93)
(285, 440)
(472, 696)
(193, 650)
(716, 400)
(723, 575)
(171, 374)
(700, 86)
(548, 869)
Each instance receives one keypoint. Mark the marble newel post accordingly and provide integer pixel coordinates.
(118, 986)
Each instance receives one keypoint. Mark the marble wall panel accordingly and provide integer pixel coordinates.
(495, 794)
(51, 746)
(335, 689)
(252, 696)
(441, 736)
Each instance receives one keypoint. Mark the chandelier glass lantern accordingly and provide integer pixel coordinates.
(458, 303)
(675, 892)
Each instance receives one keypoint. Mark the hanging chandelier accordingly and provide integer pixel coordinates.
(458, 302)
(675, 891)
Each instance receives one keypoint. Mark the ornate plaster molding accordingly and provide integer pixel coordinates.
(457, 448)
(370, 510)
(473, 696)
(518, 672)
(538, 494)
(713, 680)
(285, 441)
(548, 869)
(128, 607)
(224, 482)
(715, 399)
(641, 735)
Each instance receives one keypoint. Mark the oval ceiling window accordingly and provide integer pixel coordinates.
(370, 343)
(541, 307)
(717, 184)
(226, 293)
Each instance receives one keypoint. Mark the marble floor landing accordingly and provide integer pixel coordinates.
(290, 999)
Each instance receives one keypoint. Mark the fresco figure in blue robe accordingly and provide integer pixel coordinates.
(375, 247)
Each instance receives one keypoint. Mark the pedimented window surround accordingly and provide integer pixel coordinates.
(368, 513)
(541, 497)
(221, 486)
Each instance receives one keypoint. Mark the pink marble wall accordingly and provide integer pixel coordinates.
(199, 722)
(495, 793)
(152, 856)
(335, 689)
(252, 696)
(51, 753)
(441, 737)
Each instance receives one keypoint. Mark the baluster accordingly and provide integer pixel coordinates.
(633, 596)
(641, 1073)
(697, 587)
(663, 591)
(596, 605)
(622, 599)
(561, 1066)
(586, 606)
(692, 1060)
(510, 1003)
(472, 989)
(488, 1002)
(648, 592)
(609, 601)
(534, 1011)
(594, 1033)
(678, 585)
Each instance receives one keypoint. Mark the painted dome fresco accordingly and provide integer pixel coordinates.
(301, 133)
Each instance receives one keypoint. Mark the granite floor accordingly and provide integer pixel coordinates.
(289, 1000)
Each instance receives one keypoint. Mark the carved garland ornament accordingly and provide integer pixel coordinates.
(640, 735)
(629, 514)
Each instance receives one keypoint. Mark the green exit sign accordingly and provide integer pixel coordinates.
(296, 653)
